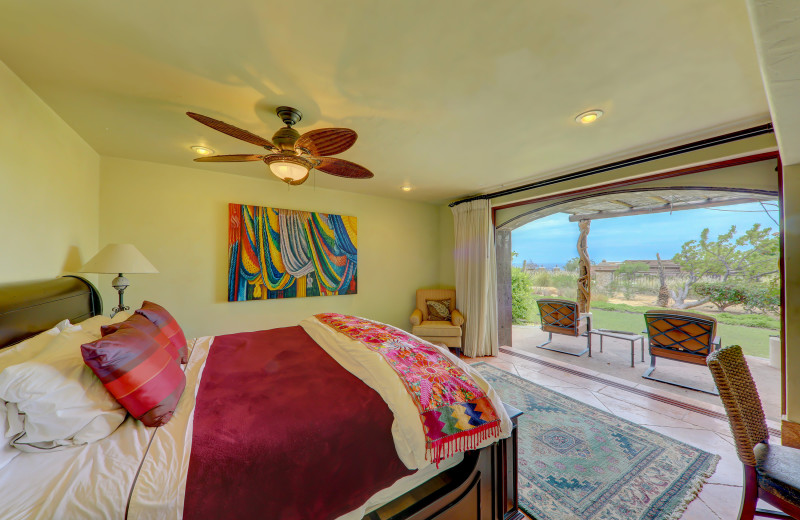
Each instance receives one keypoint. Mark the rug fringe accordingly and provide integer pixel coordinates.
(695, 486)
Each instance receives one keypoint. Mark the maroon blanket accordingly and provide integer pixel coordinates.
(282, 431)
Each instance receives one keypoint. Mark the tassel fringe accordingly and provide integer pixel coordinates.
(466, 440)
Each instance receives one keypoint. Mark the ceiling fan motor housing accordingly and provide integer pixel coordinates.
(285, 138)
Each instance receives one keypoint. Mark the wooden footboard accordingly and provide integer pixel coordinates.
(482, 487)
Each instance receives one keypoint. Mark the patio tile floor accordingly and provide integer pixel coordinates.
(613, 364)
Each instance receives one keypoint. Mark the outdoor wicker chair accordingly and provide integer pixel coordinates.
(562, 317)
(682, 336)
(771, 471)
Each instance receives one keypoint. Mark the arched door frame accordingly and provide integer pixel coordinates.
(503, 233)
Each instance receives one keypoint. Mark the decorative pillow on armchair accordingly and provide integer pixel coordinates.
(438, 310)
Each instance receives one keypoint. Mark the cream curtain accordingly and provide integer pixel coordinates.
(476, 276)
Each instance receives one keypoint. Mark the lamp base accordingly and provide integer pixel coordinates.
(120, 283)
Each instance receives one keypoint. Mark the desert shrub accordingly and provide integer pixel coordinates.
(763, 297)
(564, 280)
(541, 279)
(569, 293)
(722, 294)
(522, 302)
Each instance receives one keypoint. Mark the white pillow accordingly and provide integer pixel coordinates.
(7, 453)
(63, 324)
(93, 324)
(55, 401)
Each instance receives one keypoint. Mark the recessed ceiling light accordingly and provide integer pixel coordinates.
(406, 188)
(589, 117)
(202, 150)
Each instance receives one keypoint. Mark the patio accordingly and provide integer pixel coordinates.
(615, 362)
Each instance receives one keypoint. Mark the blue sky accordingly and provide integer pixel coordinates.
(552, 240)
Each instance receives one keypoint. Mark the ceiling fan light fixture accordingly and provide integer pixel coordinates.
(289, 169)
(589, 117)
(202, 150)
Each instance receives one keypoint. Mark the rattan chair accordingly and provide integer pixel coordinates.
(681, 336)
(771, 471)
(562, 317)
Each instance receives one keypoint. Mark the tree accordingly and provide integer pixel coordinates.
(627, 276)
(663, 290)
(748, 257)
(572, 264)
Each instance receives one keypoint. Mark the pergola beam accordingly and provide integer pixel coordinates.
(709, 203)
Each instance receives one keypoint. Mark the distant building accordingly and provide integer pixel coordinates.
(604, 271)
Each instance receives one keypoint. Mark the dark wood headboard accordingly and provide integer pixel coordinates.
(28, 308)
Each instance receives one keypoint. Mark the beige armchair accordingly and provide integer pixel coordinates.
(437, 331)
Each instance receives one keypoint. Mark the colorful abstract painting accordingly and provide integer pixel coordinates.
(285, 253)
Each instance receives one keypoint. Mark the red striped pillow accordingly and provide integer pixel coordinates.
(137, 321)
(140, 374)
(164, 321)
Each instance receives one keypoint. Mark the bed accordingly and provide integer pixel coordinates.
(133, 472)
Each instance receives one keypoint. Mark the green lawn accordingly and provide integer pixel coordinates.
(754, 341)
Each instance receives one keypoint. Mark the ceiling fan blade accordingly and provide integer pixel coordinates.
(241, 157)
(326, 141)
(232, 131)
(342, 168)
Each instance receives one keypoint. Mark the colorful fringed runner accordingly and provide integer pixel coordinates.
(455, 412)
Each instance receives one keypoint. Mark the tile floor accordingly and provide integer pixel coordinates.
(721, 495)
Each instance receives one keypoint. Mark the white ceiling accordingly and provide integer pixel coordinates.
(452, 97)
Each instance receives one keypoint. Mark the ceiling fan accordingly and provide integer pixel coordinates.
(291, 155)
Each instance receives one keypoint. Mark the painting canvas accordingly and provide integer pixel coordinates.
(286, 253)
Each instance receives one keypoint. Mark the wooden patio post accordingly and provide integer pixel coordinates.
(584, 269)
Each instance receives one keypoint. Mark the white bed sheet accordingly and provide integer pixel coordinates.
(95, 481)
(90, 481)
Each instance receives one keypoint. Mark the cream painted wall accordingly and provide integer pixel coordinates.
(178, 217)
(447, 240)
(49, 185)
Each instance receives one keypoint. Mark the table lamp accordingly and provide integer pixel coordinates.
(119, 258)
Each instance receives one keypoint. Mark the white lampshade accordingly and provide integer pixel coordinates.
(288, 171)
(119, 258)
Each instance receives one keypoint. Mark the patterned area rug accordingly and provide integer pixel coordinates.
(580, 463)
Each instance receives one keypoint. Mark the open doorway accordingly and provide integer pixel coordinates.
(649, 249)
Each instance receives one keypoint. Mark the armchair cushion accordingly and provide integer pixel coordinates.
(416, 317)
(438, 310)
(778, 470)
(436, 329)
(458, 318)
